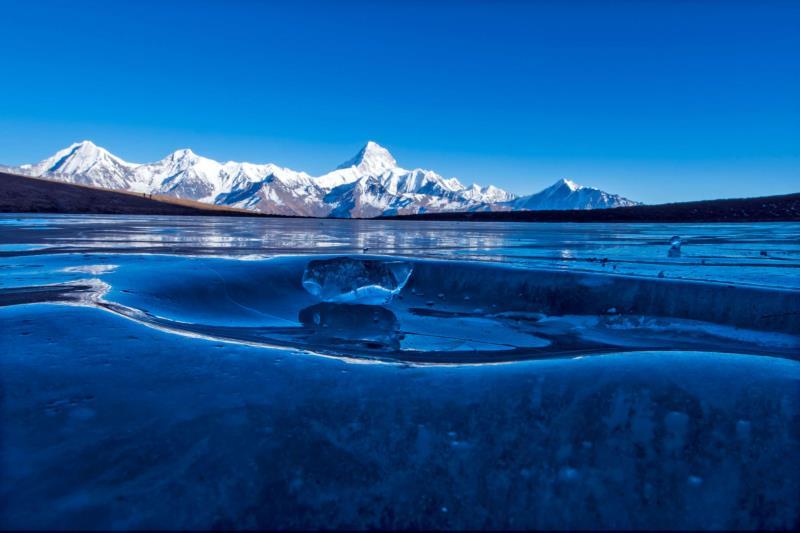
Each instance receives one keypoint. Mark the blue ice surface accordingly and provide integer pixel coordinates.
(164, 373)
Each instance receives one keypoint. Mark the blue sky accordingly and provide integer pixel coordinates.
(659, 101)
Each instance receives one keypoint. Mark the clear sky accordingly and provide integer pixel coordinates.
(656, 100)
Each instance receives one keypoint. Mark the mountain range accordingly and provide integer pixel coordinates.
(368, 185)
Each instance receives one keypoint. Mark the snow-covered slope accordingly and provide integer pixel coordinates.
(566, 194)
(372, 160)
(182, 174)
(85, 164)
(370, 184)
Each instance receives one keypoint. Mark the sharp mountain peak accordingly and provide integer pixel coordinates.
(369, 184)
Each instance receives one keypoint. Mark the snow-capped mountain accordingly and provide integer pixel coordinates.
(566, 194)
(182, 174)
(368, 185)
(85, 164)
(372, 184)
(372, 160)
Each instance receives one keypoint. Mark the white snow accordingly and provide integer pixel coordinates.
(369, 184)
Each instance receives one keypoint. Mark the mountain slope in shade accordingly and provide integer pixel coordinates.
(372, 160)
(372, 182)
(275, 196)
(24, 194)
(368, 185)
(566, 194)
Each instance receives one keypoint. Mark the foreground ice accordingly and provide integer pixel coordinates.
(446, 312)
(125, 426)
(345, 279)
(164, 373)
(347, 324)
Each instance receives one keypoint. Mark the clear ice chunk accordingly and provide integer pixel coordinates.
(371, 326)
(675, 246)
(345, 279)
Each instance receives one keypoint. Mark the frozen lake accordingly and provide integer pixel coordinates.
(163, 372)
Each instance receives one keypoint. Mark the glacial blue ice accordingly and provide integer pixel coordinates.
(178, 373)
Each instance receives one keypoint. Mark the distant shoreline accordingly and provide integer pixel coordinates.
(780, 208)
(24, 194)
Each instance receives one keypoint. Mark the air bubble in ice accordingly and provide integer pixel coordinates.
(344, 279)
(568, 474)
